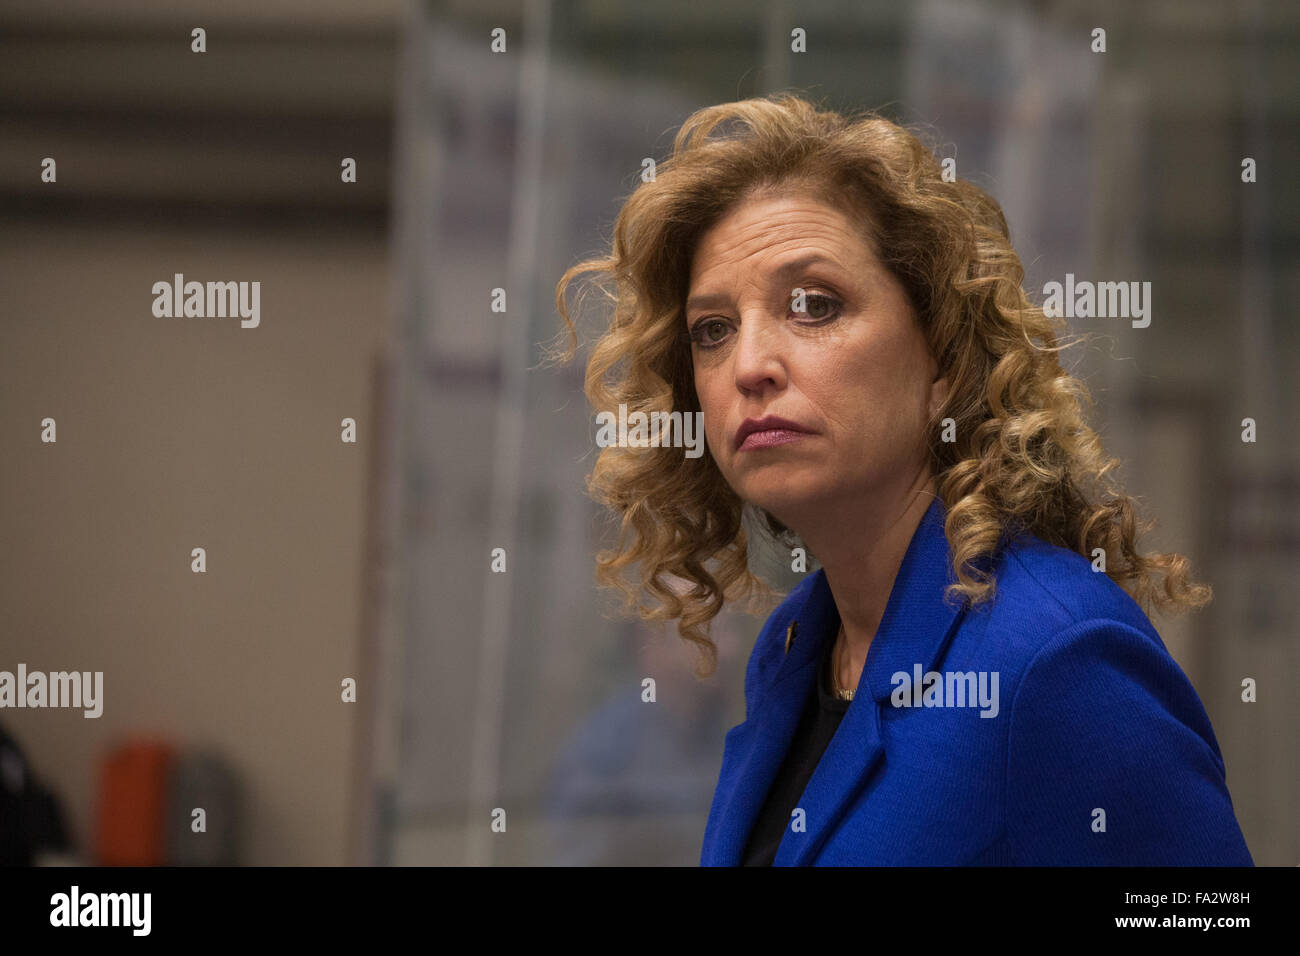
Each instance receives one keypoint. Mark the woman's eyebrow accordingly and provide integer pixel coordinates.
(714, 300)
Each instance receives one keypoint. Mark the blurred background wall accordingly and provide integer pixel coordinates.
(182, 433)
(481, 170)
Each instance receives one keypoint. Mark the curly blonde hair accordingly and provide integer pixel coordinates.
(1024, 459)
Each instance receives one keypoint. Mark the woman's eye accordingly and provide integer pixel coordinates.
(709, 333)
(702, 336)
(819, 306)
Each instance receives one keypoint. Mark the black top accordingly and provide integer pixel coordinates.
(817, 725)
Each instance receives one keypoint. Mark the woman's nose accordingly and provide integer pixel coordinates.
(759, 356)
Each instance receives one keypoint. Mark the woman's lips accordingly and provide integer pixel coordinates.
(772, 426)
(769, 437)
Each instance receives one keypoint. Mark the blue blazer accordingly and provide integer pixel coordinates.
(1089, 745)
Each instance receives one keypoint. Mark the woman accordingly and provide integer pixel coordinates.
(964, 680)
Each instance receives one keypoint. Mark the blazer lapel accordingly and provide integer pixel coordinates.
(916, 628)
(755, 748)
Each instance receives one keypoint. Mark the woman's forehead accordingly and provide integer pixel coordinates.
(772, 234)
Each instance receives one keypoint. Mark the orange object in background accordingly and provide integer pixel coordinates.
(132, 811)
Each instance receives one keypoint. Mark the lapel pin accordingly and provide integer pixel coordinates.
(789, 635)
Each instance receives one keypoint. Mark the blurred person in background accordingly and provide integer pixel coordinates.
(32, 828)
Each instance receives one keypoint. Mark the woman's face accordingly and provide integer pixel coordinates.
(851, 368)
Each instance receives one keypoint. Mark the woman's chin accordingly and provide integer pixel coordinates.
(781, 504)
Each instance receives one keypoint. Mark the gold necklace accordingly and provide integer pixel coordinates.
(835, 677)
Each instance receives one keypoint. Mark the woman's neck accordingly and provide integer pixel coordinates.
(861, 559)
